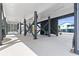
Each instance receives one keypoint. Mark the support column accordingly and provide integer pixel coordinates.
(30, 30)
(9, 27)
(49, 28)
(6, 28)
(35, 24)
(0, 23)
(25, 32)
(17, 26)
(76, 31)
(20, 27)
(5, 25)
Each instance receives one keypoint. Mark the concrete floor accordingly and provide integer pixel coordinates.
(20, 45)
(12, 46)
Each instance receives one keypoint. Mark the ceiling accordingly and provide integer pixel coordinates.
(16, 12)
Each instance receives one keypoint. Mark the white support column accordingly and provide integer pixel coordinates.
(76, 34)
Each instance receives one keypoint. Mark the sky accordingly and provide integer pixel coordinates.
(66, 20)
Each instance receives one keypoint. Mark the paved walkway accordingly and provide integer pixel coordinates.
(43, 46)
(15, 47)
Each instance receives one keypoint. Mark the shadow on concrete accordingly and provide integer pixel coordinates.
(8, 42)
